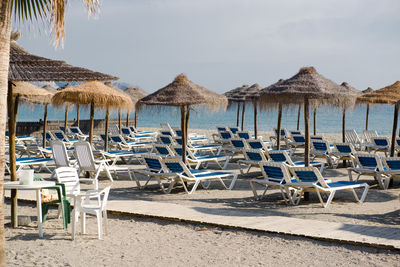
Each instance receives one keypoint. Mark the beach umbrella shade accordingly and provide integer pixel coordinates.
(271, 105)
(236, 96)
(184, 93)
(386, 95)
(20, 92)
(24, 66)
(136, 94)
(93, 94)
(366, 91)
(311, 89)
(347, 89)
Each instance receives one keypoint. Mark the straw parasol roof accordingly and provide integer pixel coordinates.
(25, 66)
(307, 84)
(368, 90)
(135, 93)
(386, 95)
(347, 89)
(237, 94)
(30, 93)
(92, 92)
(50, 88)
(183, 92)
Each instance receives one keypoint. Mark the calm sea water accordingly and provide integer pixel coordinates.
(329, 120)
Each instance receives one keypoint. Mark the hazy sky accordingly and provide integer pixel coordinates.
(222, 44)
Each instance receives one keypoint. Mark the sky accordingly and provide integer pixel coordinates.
(222, 44)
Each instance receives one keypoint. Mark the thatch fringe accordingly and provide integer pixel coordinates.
(386, 95)
(31, 94)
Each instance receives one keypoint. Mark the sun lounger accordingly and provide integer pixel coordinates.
(352, 137)
(212, 148)
(259, 144)
(201, 159)
(343, 151)
(368, 165)
(163, 150)
(283, 157)
(78, 134)
(322, 149)
(391, 169)
(253, 157)
(309, 179)
(369, 134)
(30, 162)
(379, 144)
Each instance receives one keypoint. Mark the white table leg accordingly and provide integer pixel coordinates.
(39, 210)
(74, 219)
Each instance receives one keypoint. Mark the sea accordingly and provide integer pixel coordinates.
(329, 119)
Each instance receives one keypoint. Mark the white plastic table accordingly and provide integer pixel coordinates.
(37, 185)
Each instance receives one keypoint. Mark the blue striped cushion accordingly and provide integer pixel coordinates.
(238, 143)
(244, 135)
(381, 142)
(273, 172)
(393, 164)
(277, 157)
(255, 145)
(153, 164)
(306, 176)
(254, 156)
(320, 146)
(368, 161)
(343, 148)
(174, 167)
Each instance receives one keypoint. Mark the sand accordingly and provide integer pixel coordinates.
(133, 241)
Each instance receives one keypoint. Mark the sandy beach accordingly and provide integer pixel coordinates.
(133, 241)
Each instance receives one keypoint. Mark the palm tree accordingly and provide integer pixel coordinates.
(52, 11)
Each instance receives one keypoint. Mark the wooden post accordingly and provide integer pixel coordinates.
(187, 123)
(12, 112)
(243, 110)
(394, 131)
(127, 118)
(315, 121)
(136, 118)
(255, 119)
(119, 121)
(183, 134)
(306, 134)
(298, 117)
(77, 114)
(237, 115)
(91, 126)
(66, 119)
(44, 125)
(366, 118)
(106, 130)
(343, 125)
(278, 140)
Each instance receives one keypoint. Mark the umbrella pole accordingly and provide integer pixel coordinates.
(315, 121)
(187, 123)
(344, 125)
(255, 119)
(366, 118)
(66, 119)
(394, 133)
(238, 113)
(12, 113)
(44, 126)
(278, 140)
(91, 123)
(243, 110)
(77, 115)
(306, 134)
(106, 130)
(119, 121)
(298, 117)
(136, 118)
(183, 134)
(127, 118)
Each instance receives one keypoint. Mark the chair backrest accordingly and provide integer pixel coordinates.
(244, 135)
(320, 145)
(276, 172)
(279, 156)
(60, 155)
(298, 138)
(113, 129)
(308, 175)
(103, 137)
(391, 163)
(50, 136)
(296, 132)
(255, 144)
(174, 165)
(351, 136)
(283, 132)
(234, 129)
(380, 141)
(153, 163)
(126, 131)
(316, 137)
(226, 135)
(178, 132)
(397, 142)
(163, 150)
(118, 139)
(166, 132)
(84, 156)
(366, 160)
(61, 136)
(238, 143)
(345, 148)
(75, 130)
(221, 129)
(179, 140)
(62, 128)
(69, 177)
(368, 134)
(255, 155)
(166, 140)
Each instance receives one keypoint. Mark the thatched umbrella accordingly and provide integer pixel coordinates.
(310, 88)
(31, 68)
(279, 124)
(387, 95)
(136, 94)
(26, 92)
(95, 94)
(237, 96)
(184, 93)
(52, 90)
(366, 91)
(347, 89)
